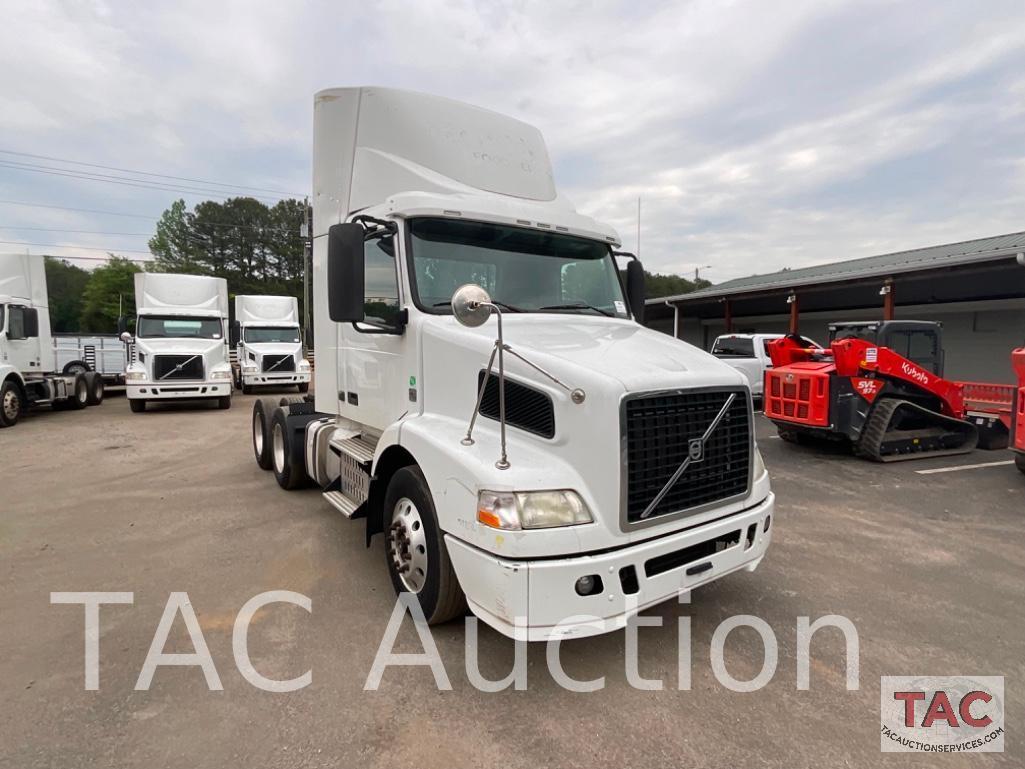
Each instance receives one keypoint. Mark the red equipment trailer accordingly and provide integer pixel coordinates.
(880, 386)
(1018, 418)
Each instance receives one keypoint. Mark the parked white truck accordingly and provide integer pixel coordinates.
(28, 368)
(181, 341)
(748, 354)
(266, 336)
(485, 395)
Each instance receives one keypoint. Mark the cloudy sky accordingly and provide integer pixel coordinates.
(758, 135)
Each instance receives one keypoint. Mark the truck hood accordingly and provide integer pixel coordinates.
(636, 357)
(274, 348)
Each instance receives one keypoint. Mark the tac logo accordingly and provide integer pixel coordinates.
(941, 714)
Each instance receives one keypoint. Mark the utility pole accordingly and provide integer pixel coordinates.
(306, 232)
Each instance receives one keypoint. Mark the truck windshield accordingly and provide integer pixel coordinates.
(269, 334)
(733, 347)
(177, 327)
(522, 269)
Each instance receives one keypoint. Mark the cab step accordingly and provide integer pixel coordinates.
(343, 504)
(359, 447)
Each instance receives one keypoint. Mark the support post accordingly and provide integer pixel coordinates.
(795, 312)
(889, 300)
(728, 313)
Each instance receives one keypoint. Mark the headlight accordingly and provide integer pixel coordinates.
(304, 365)
(759, 464)
(135, 376)
(249, 368)
(531, 509)
(220, 375)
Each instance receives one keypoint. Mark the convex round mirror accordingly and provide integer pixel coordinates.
(471, 305)
(125, 337)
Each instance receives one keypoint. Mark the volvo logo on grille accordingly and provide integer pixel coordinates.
(696, 449)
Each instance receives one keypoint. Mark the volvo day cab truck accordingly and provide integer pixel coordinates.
(180, 348)
(28, 367)
(485, 394)
(270, 351)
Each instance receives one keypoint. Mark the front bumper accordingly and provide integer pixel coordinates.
(151, 391)
(259, 379)
(540, 594)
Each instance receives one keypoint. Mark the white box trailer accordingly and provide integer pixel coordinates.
(485, 394)
(29, 375)
(181, 340)
(265, 335)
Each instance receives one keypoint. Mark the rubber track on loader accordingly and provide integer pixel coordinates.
(881, 442)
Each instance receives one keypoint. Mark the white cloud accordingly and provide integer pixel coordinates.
(759, 135)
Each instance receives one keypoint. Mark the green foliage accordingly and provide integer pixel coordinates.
(659, 285)
(65, 284)
(255, 247)
(110, 292)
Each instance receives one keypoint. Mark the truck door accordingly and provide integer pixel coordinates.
(376, 354)
(23, 338)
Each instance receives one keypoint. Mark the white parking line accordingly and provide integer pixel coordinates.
(955, 468)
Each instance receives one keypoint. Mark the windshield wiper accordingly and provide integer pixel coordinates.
(577, 306)
(503, 305)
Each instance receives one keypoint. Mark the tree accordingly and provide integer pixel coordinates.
(256, 248)
(65, 283)
(109, 294)
(659, 285)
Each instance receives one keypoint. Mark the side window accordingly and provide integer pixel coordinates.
(380, 282)
(16, 323)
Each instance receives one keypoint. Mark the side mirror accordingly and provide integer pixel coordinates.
(122, 325)
(635, 289)
(31, 322)
(235, 333)
(345, 279)
(471, 305)
(125, 337)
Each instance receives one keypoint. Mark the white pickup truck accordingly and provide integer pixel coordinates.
(748, 354)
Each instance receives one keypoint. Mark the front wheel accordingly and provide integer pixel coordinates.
(1019, 461)
(304, 387)
(10, 404)
(137, 405)
(94, 383)
(79, 393)
(418, 559)
(224, 402)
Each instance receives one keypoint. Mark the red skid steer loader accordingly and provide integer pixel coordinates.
(880, 387)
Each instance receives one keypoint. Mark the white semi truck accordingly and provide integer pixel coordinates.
(485, 395)
(266, 336)
(180, 348)
(28, 368)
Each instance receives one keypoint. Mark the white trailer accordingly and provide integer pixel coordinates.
(485, 394)
(29, 375)
(269, 347)
(181, 340)
(105, 354)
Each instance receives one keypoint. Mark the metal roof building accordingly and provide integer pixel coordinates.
(976, 288)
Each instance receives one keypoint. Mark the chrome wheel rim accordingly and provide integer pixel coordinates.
(407, 545)
(257, 434)
(279, 449)
(82, 392)
(12, 404)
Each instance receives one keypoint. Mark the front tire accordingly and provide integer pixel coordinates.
(224, 402)
(1019, 461)
(11, 403)
(417, 557)
(137, 405)
(304, 387)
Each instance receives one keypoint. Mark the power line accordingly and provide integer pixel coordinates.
(72, 245)
(147, 173)
(139, 183)
(78, 232)
(143, 216)
(80, 210)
